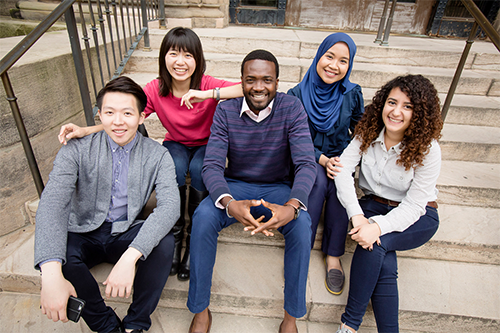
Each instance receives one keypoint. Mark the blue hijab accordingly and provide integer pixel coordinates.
(322, 101)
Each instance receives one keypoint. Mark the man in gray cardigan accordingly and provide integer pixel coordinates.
(88, 214)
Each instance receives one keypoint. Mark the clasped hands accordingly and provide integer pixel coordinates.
(240, 210)
(364, 232)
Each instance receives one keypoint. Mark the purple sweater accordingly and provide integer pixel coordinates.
(260, 152)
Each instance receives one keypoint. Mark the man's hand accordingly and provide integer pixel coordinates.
(366, 235)
(333, 167)
(281, 216)
(70, 131)
(55, 292)
(120, 280)
(240, 210)
(195, 96)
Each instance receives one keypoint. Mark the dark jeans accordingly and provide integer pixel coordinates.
(209, 220)
(374, 273)
(336, 220)
(187, 159)
(87, 250)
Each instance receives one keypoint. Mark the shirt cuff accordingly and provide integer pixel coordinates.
(217, 202)
(301, 204)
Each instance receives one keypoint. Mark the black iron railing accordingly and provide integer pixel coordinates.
(121, 24)
(479, 21)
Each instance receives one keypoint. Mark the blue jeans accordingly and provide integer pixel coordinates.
(87, 250)
(374, 273)
(336, 220)
(187, 159)
(209, 220)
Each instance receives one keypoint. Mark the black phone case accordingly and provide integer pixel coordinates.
(75, 308)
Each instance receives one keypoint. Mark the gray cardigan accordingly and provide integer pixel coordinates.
(77, 195)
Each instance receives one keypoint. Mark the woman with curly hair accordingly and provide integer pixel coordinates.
(396, 142)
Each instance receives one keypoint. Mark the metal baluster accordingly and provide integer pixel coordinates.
(129, 23)
(162, 14)
(103, 33)
(133, 16)
(28, 149)
(87, 46)
(139, 13)
(381, 26)
(123, 26)
(110, 27)
(147, 47)
(458, 72)
(118, 41)
(385, 42)
(96, 40)
(81, 75)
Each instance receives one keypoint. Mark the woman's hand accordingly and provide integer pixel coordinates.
(333, 167)
(365, 235)
(195, 96)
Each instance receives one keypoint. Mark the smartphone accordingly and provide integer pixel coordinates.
(75, 308)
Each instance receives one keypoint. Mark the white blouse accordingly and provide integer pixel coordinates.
(381, 176)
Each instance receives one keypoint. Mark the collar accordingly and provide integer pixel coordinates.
(380, 139)
(127, 148)
(263, 114)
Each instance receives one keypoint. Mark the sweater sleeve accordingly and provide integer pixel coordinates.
(302, 153)
(214, 163)
(53, 211)
(162, 219)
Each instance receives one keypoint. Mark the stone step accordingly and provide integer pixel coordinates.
(410, 51)
(464, 109)
(431, 291)
(470, 143)
(27, 318)
(469, 184)
(472, 82)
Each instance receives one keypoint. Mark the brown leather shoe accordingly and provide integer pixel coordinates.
(209, 323)
(296, 329)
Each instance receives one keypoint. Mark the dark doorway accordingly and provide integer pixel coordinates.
(258, 12)
(451, 18)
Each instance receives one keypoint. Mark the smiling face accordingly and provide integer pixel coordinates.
(397, 113)
(180, 64)
(259, 83)
(334, 64)
(120, 116)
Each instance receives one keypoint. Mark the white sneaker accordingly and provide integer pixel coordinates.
(343, 329)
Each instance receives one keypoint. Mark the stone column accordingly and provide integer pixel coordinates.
(197, 13)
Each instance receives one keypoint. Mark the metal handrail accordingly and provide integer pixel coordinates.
(479, 21)
(153, 10)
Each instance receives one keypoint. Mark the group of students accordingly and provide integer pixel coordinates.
(393, 140)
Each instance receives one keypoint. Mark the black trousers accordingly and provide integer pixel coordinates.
(87, 250)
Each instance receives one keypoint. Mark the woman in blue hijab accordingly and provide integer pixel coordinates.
(334, 106)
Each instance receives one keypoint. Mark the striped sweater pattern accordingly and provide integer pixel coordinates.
(262, 152)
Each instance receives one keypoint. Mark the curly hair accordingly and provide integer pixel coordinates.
(425, 124)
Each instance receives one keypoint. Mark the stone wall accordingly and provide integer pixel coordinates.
(45, 84)
(359, 15)
(197, 13)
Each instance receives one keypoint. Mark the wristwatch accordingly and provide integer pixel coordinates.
(297, 210)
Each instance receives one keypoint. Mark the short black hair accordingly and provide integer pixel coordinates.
(124, 85)
(261, 55)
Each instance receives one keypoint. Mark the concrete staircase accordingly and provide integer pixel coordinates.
(450, 284)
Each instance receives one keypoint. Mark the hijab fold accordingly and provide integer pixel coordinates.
(323, 101)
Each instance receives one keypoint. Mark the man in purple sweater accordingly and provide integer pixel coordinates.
(264, 136)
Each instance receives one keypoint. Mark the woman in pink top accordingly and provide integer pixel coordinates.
(184, 98)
